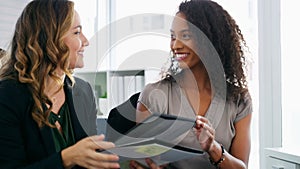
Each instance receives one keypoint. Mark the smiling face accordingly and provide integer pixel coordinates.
(182, 43)
(76, 42)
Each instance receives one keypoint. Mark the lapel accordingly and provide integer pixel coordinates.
(78, 130)
(79, 133)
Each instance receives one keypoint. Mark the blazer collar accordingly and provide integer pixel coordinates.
(78, 130)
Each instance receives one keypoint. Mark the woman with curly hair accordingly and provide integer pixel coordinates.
(38, 123)
(206, 81)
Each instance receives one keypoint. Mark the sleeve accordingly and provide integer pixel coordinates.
(244, 108)
(155, 97)
(11, 145)
(14, 105)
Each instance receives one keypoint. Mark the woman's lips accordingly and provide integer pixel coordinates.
(80, 53)
(180, 56)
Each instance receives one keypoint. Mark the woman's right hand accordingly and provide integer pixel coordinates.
(151, 165)
(84, 154)
(205, 133)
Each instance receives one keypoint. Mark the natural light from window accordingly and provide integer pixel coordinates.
(290, 78)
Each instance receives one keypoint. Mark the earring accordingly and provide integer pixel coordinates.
(174, 68)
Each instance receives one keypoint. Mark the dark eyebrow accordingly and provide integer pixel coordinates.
(182, 31)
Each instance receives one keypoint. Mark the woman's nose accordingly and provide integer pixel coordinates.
(176, 44)
(85, 41)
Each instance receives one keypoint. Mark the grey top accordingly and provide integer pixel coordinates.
(223, 115)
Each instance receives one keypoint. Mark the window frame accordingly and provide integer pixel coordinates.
(269, 50)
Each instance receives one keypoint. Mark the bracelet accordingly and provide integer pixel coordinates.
(218, 163)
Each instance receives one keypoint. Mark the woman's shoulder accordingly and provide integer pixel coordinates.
(244, 99)
(11, 89)
(160, 84)
(81, 84)
(243, 106)
(80, 81)
(163, 82)
(11, 84)
(15, 100)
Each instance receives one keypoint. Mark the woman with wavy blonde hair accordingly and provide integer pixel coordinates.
(2, 52)
(38, 124)
(2, 55)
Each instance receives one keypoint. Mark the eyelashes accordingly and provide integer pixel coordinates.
(181, 37)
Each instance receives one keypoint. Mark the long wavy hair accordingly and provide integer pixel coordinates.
(37, 49)
(2, 53)
(227, 39)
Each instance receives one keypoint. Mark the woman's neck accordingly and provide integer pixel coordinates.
(55, 93)
(53, 86)
(196, 78)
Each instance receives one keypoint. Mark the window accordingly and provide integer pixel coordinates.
(269, 48)
(151, 15)
(290, 68)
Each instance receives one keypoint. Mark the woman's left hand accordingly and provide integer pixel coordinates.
(205, 133)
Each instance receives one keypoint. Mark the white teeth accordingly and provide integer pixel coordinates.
(181, 55)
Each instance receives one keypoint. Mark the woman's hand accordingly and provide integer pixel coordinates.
(205, 133)
(151, 164)
(84, 154)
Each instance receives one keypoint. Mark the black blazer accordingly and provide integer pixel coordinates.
(22, 143)
(122, 118)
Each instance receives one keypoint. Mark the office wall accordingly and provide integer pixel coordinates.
(9, 13)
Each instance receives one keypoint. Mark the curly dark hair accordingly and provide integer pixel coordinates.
(226, 37)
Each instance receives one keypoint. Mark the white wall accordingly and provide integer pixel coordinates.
(9, 13)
